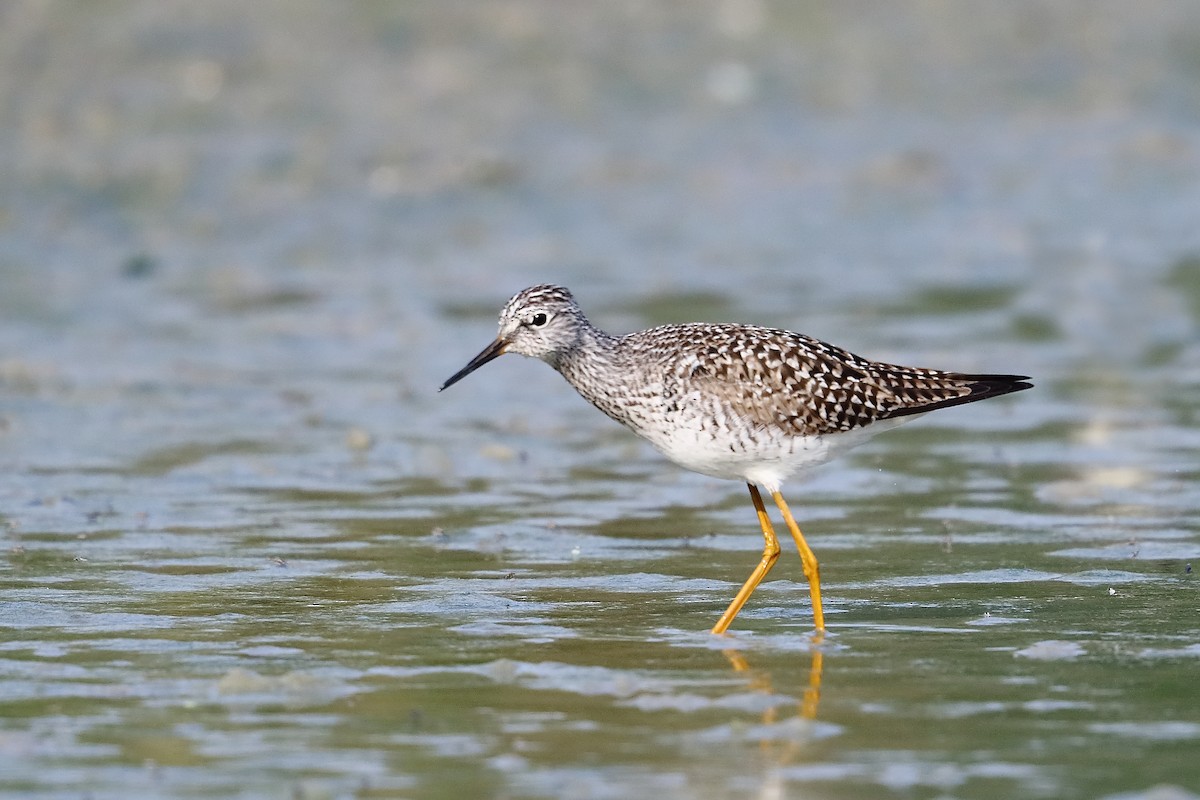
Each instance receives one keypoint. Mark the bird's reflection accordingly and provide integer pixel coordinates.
(760, 681)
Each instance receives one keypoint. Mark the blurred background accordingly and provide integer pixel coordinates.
(242, 243)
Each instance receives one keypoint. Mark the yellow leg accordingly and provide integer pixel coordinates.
(811, 569)
(769, 557)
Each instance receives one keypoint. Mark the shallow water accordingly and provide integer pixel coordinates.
(249, 551)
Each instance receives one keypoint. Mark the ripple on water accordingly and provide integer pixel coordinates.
(1164, 731)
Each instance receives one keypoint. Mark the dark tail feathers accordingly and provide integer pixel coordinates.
(982, 387)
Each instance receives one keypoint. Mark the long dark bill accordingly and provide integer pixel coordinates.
(493, 350)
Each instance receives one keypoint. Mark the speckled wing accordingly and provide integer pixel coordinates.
(806, 387)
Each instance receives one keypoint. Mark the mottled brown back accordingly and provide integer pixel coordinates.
(773, 377)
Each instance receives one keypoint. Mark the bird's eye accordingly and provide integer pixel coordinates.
(539, 320)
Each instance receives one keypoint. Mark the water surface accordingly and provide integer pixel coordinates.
(249, 551)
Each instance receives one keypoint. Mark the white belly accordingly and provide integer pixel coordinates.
(763, 456)
(701, 432)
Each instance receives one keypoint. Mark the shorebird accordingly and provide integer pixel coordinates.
(740, 402)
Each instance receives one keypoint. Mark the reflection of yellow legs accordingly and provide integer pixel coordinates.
(770, 556)
(761, 682)
(812, 695)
